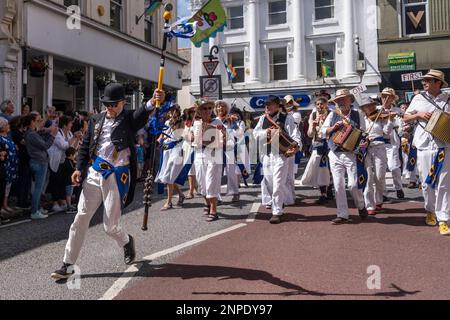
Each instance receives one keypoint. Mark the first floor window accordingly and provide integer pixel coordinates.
(277, 12)
(69, 3)
(323, 9)
(236, 17)
(116, 14)
(326, 60)
(149, 30)
(236, 60)
(415, 17)
(278, 64)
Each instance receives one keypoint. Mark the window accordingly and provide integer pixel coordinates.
(326, 60)
(116, 14)
(415, 17)
(236, 59)
(278, 64)
(277, 12)
(68, 3)
(323, 9)
(236, 17)
(149, 30)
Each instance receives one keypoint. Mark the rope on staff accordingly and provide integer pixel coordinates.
(149, 182)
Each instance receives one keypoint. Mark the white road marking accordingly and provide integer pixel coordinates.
(120, 283)
(253, 212)
(14, 224)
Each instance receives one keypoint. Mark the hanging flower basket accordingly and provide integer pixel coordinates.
(102, 80)
(131, 87)
(74, 76)
(38, 66)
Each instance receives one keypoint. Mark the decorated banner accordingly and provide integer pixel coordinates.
(151, 6)
(210, 20)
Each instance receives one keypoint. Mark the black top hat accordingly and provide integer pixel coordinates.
(272, 98)
(114, 92)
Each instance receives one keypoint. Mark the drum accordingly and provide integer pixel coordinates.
(439, 126)
(348, 138)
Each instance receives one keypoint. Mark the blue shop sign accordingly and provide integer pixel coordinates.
(258, 102)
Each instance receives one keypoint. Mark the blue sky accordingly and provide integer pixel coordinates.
(183, 11)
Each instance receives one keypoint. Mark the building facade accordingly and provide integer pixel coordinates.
(293, 47)
(417, 32)
(60, 52)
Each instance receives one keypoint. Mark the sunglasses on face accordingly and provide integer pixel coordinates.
(206, 109)
(111, 106)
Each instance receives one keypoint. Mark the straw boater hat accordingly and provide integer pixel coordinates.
(438, 75)
(367, 101)
(389, 92)
(290, 98)
(342, 93)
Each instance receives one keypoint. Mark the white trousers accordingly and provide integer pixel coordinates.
(95, 191)
(290, 182)
(275, 175)
(208, 174)
(232, 179)
(436, 200)
(341, 163)
(314, 175)
(376, 164)
(394, 165)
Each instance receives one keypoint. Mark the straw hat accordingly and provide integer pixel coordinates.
(389, 92)
(367, 101)
(342, 93)
(289, 99)
(438, 75)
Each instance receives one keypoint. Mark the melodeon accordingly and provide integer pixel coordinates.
(283, 142)
(439, 126)
(348, 138)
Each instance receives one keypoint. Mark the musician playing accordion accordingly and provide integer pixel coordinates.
(433, 154)
(343, 161)
(274, 157)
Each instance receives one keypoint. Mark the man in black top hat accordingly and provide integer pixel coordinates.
(107, 165)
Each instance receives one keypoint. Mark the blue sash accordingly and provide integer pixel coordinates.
(361, 169)
(122, 176)
(183, 176)
(438, 162)
(381, 139)
(258, 175)
(412, 158)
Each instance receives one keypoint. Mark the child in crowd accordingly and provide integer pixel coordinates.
(140, 154)
(66, 172)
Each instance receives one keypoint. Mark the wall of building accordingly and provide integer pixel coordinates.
(299, 35)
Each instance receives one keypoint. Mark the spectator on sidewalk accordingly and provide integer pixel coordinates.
(3, 156)
(37, 145)
(23, 182)
(140, 155)
(63, 140)
(65, 171)
(7, 109)
(11, 164)
(25, 110)
(51, 117)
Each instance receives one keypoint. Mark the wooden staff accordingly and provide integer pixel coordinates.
(148, 186)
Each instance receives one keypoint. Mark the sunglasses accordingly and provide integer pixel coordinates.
(206, 109)
(111, 106)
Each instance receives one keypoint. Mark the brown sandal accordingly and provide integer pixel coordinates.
(206, 211)
(181, 201)
(167, 206)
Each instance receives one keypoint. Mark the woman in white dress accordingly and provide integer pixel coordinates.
(208, 133)
(317, 172)
(172, 163)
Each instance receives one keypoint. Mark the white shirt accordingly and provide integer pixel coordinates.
(106, 149)
(423, 140)
(290, 127)
(381, 128)
(56, 152)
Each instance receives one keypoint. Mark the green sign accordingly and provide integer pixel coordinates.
(404, 61)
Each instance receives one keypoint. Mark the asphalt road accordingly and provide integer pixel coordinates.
(29, 252)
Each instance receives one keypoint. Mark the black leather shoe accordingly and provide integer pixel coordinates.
(363, 213)
(129, 251)
(62, 273)
(339, 221)
(400, 194)
(322, 200)
(275, 220)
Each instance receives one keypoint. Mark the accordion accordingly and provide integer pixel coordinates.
(439, 126)
(348, 138)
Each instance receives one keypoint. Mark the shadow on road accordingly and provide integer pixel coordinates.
(189, 272)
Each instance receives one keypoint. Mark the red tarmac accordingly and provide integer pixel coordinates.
(308, 258)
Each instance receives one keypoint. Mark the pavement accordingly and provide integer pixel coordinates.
(241, 256)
